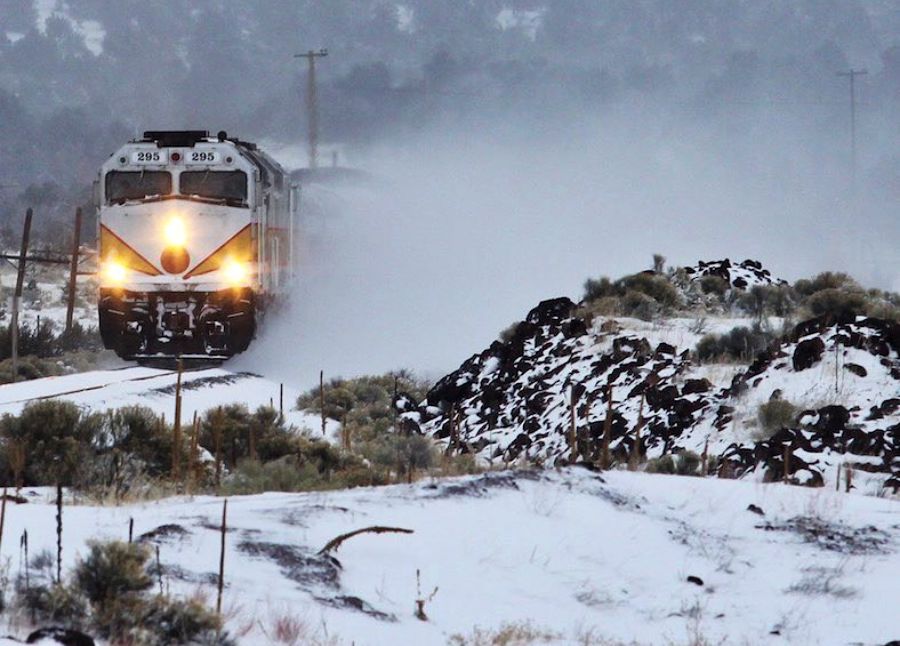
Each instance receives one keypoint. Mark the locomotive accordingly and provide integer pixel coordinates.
(196, 238)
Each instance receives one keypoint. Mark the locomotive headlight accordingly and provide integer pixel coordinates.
(176, 234)
(114, 272)
(235, 272)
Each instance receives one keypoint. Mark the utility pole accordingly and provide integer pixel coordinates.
(852, 74)
(312, 107)
(17, 297)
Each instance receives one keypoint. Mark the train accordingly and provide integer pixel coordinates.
(196, 239)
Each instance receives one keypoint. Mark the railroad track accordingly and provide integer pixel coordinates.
(13, 389)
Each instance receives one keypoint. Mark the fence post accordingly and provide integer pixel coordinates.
(607, 428)
(222, 558)
(176, 429)
(73, 271)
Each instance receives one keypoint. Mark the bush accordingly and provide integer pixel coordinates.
(57, 440)
(825, 280)
(714, 285)
(43, 341)
(664, 464)
(644, 295)
(775, 415)
(242, 434)
(404, 454)
(364, 405)
(760, 300)
(659, 288)
(688, 463)
(53, 603)
(595, 289)
(740, 343)
(113, 571)
(166, 621)
(837, 303)
(107, 595)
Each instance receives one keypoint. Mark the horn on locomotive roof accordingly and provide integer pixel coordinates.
(172, 138)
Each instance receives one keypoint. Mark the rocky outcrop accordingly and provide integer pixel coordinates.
(740, 275)
(543, 395)
(521, 397)
(856, 365)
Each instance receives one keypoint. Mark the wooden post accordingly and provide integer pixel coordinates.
(59, 530)
(23, 544)
(573, 428)
(394, 405)
(704, 459)
(837, 480)
(17, 296)
(2, 517)
(73, 271)
(281, 402)
(216, 420)
(634, 458)
(130, 530)
(176, 429)
(607, 428)
(787, 462)
(322, 398)
(848, 478)
(192, 455)
(222, 558)
(159, 570)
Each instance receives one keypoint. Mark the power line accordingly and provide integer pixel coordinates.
(312, 107)
(852, 74)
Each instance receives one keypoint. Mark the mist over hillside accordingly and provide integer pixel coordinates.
(522, 145)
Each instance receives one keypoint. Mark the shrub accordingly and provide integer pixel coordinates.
(775, 415)
(825, 280)
(53, 603)
(761, 300)
(741, 343)
(112, 571)
(659, 288)
(597, 288)
(236, 428)
(402, 453)
(170, 621)
(643, 295)
(663, 464)
(57, 439)
(639, 305)
(107, 595)
(715, 285)
(688, 463)
(837, 303)
(364, 405)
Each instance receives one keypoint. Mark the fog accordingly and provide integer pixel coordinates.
(516, 147)
(466, 227)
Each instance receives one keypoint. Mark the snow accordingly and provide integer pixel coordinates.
(154, 388)
(568, 550)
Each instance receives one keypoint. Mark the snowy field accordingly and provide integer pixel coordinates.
(99, 390)
(575, 554)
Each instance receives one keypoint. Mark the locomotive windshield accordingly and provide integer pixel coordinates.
(230, 186)
(122, 186)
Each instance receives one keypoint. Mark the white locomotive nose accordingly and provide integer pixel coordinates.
(195, 231)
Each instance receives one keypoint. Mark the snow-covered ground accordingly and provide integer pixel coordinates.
(572, 552)
(154, 388)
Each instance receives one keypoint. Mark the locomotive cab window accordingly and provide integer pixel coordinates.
(122, 186)
(229, 186)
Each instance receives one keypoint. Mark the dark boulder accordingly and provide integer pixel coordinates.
(64, 636)
(808, 353)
